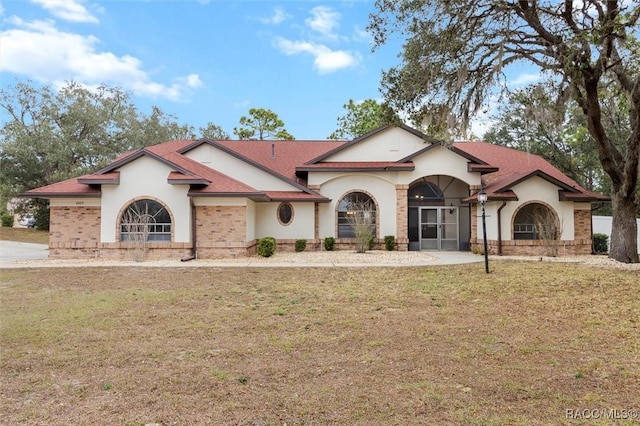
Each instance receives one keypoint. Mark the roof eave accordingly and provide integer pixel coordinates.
(255, 196)
(482, 168)
(300, 200)
(48, 195)
(100, 181)
(563, 196)
(399, 168)
(188, 181)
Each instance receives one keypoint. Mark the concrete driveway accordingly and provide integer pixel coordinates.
(12, 251)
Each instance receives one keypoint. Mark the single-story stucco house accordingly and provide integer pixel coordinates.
(217, 198)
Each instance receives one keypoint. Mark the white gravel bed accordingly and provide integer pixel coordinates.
(327, 258)
(590, 260)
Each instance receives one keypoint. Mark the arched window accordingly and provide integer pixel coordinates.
(145, 220)
(356, 209)
(535, 221)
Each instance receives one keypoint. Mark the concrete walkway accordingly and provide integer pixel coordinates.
(12, 251)
(23, 255)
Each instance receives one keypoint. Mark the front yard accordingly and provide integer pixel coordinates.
(428, 345)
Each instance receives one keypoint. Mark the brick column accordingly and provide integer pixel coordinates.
(582, 224)
(402, 217)
(474, 221)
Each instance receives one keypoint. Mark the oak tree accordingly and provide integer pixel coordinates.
(457, 53)
(49, 135)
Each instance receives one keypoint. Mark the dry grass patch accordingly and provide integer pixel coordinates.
(25, 235)
(438, 345)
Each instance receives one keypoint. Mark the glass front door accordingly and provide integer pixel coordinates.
(439, 228)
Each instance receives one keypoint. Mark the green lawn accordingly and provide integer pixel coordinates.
(431, 345)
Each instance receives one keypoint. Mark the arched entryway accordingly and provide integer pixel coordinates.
(437, 218)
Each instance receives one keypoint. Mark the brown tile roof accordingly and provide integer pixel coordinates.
(281, 157)
(66, 188)
(516, 166)
(501, 168)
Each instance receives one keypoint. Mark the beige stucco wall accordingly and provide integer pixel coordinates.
(397, 144)
(301, 227)
(377, 185)
(238, 169)
(534, 189)
(381, 185)
(440, 161)
(145, 177)
(73, 202)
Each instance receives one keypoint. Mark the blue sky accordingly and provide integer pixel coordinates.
(203, 60)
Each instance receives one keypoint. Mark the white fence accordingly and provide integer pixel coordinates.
(602, 225)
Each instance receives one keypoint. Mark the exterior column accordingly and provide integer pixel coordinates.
(402, 217)
(317, 242)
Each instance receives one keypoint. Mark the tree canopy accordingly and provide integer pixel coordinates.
(50, 135)
(213, 131)
(262, 124)
(457, 54)
(523, 123)
(360, 118)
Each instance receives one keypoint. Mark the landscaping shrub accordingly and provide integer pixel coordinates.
(266, 246)
(371, 240)
(329, 243)
(390, 242)
(7, 219)
(600, 243)
(301, 245)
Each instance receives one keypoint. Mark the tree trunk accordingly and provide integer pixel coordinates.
(624, 244)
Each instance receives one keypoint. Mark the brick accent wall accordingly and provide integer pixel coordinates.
(535, 247)
(74, 232)
(402, 218)
(221, 232)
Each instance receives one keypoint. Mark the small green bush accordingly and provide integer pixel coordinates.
(266, 246)
(7, 219)
(371, 240)
(600, 243)
(301, 245)
(329, 243)
(390, 242)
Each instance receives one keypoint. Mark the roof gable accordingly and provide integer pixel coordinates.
(386, 143)
(290, 183)
(516, 166)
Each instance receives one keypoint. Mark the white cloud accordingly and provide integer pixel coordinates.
(361, 35)
(278, 16)
(523, 79)
(40, 51)
(325, 61)
(324, 20)
(69, 10)
(193, 81)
